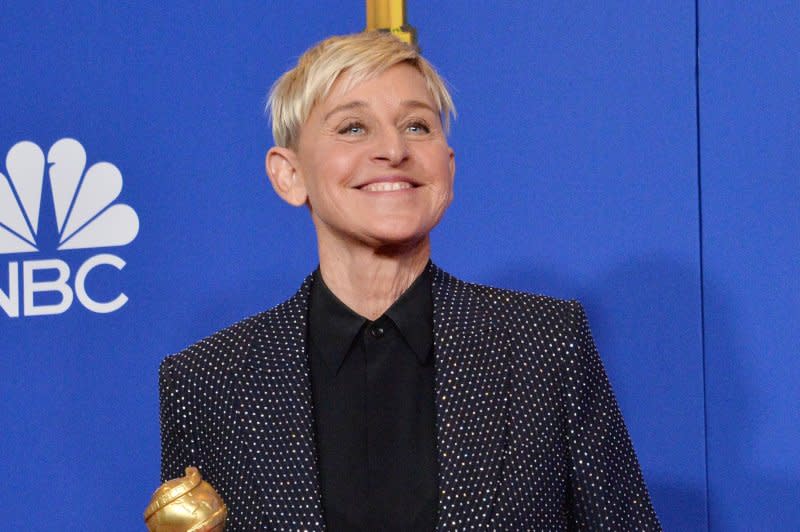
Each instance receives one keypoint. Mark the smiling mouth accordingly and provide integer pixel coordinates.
(384, 186)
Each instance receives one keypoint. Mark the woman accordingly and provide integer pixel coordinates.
(386, 394)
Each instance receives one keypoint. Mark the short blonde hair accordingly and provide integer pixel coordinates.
(362, 56)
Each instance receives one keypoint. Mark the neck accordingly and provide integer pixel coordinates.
(369, 281)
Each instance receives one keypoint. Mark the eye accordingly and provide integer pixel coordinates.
(352, 128)
(418, 127)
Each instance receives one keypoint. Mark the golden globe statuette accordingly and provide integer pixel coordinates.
(390, 15)
(186, 504)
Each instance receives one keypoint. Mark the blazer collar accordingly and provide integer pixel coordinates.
(276, 418)
(276, 413)
(471, 370)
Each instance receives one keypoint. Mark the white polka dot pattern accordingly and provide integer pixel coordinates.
(528, 431)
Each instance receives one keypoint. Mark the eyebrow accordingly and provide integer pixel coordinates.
(417, 103)
(359, 104)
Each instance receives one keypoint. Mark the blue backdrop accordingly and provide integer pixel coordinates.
(593, 163)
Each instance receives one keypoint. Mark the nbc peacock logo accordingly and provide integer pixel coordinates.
(86, 215)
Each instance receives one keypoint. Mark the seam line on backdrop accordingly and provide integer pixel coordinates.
(700, 242)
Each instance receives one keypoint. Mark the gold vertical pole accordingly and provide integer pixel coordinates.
(390, 15)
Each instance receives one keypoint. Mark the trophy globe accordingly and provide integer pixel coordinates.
(186, 504)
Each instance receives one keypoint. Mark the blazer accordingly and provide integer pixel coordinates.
(529, 435)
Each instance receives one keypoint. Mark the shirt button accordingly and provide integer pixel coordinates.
(376, 332)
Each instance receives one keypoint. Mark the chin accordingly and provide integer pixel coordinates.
(397, 239)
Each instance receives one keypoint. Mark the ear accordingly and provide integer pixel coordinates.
(282, 170)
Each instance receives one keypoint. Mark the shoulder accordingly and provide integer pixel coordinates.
(225, 350)
(512, 307)
(217, 350)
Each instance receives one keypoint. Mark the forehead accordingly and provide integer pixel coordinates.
(392, 87)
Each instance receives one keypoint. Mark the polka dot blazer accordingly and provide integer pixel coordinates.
(529, 434)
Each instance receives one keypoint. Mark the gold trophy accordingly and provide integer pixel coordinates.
(390, 15)
(186, 504)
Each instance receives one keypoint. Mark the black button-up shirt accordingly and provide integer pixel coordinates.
(373, 388)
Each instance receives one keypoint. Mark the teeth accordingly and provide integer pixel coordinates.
(387, 187)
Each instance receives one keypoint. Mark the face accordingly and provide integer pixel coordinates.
(373, 162)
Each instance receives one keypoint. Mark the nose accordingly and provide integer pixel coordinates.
(391, 147)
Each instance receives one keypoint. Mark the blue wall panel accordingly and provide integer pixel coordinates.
(750, 102)
(577, 177)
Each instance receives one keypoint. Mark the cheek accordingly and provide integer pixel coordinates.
(336, 169)
(447, 198)
(443, 191)
(320, 172)
(444, 171)
(446, 184)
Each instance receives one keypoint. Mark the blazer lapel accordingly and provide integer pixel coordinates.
(277, 418)
(470, 402)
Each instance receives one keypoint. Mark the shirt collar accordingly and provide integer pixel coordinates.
(333, 326)
(412, 313)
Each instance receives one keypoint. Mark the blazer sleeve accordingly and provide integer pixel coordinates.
(175, 452)
(607, 488)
